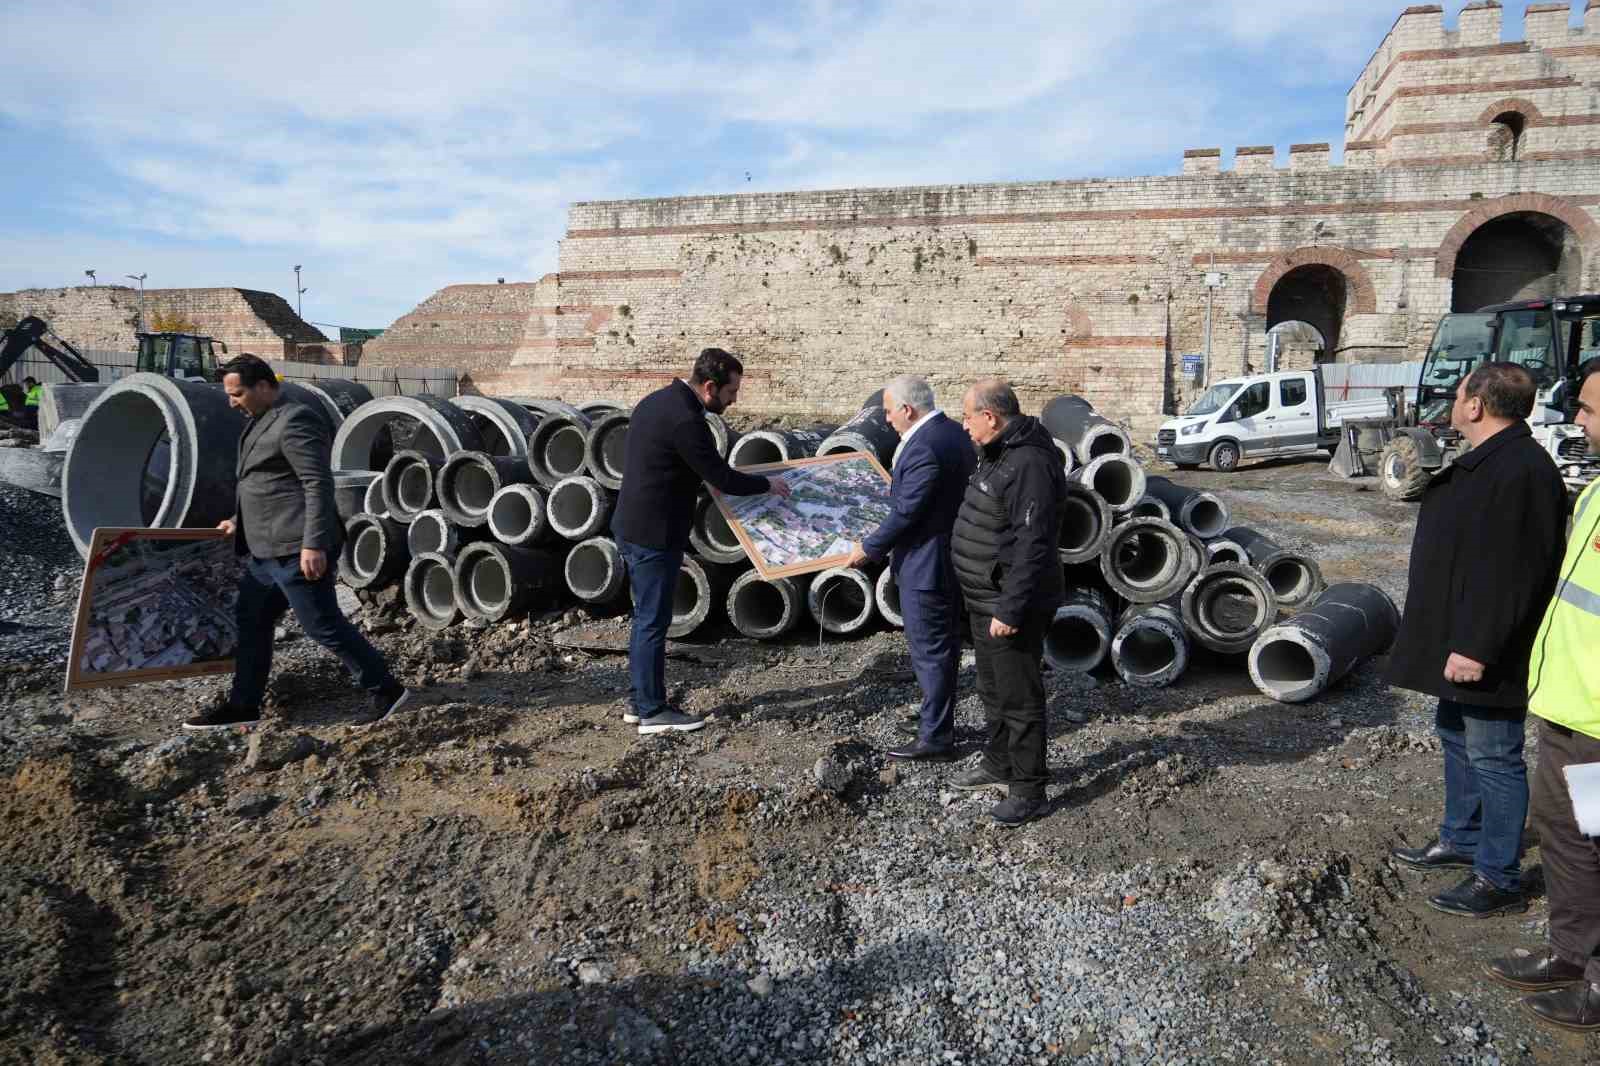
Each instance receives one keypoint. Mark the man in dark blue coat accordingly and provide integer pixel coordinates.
(930, 476)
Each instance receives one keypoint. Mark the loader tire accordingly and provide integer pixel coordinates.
(1400, 470)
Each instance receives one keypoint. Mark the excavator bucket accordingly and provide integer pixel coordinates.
(1346, 459)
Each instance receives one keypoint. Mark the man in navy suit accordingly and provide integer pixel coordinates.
(930, 476)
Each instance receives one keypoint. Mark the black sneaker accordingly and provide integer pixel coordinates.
(224, 716)
(1477, 898)
(1016, 810)
(390, 698)
(670, 721)
(979, 779)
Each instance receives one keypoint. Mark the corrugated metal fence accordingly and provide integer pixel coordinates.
(382, 380)
(1361, 381)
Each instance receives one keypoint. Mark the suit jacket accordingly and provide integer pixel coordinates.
(670, 450)
(284, 499)
(930, 476)
(1484, 562)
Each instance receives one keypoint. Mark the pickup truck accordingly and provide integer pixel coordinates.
(1259, 417)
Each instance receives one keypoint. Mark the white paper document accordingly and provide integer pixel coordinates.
(1583, 785)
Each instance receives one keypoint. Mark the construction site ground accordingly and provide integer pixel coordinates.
(504, 872)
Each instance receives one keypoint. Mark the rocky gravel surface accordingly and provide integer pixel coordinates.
(506, 874)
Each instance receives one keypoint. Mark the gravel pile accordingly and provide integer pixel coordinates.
(39, 576)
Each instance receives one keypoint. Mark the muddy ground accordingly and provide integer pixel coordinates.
(506, 873)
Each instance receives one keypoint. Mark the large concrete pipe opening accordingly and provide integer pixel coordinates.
(841, 600)
(578, 508)
(1077, 640)
(517, 515)
(1119, 480)
(1147, 652)
(1145, 560)
(151, 452)
(430, 531)
(606, 449)
(694, 595)
(503, 425)
(1150, 648)
(886, 592)
(594, 571)
(366, 551)
(425, 424)
(1289, 667)
(1225, 551)
(415, 487)
(1150, 507)
(1293, 578)
(430, 592)
(753, 449)
(711, 535)
(1205, 516)
(1102, 440)
(1085, 524)
(375, 503)
(472, 487)
(375, 552)
(1227, 606)
(563, 451)
(720, 433)
(487, 585)
(762, 609)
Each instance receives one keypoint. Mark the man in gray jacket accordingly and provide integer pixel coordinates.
(287, 529)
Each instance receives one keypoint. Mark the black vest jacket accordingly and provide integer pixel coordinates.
(998, 574)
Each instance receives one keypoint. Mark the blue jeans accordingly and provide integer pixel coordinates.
(1485, 788)
(266, 589)
(653, 576)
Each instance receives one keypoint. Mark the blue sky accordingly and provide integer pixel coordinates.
(393, 148)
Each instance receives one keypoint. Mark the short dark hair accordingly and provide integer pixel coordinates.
(1506, 389)
(715, 366)
(30, 380)
(252, 370)
(1588, 369)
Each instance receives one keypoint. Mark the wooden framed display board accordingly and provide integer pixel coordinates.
(156, 604)
(836, 500)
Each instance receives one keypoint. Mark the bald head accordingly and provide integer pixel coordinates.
(987, 408)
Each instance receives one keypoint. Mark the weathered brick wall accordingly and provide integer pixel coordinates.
(107, 316)
(1088, 286)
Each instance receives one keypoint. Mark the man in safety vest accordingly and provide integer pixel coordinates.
(1564, 692)
(33, 395)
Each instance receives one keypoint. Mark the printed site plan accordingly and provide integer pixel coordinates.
(836, 500)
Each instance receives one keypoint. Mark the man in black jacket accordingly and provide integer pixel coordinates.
(670, 451)
(1006, 549)
(1484, 561)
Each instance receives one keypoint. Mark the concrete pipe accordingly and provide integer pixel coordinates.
(841, 600)
(62, 402)
(595, 410)
(766, 609)
(1226, 606)
(1223, 550)
(467, 482)
(605, 449)
(1150, 507)
(350, 491)
(1301, 656)
(1294, 576)
(339, 398)
(1090, 435)
(432, 531)
(503, 426)
(375, 552)
(1079, 637)
(1150, 648)
(496, 581)
(373, 501)
(410, 484)
(700, 590)
(867, 431)
(1119, 480)
(1146, 560)
(1085, 524)
(580, 508)
(430, 591)
(435, 426)
(1069, 462)
(1202, 513)
(542, 408)
(711, 537)
(777, 446)
(595, 573)
(720, 433)
(556, 449)
(886, 593)
(518, 515)
(151, 451)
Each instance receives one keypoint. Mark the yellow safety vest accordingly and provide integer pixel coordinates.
(1564, 673)
(35, 394)
(4, 403)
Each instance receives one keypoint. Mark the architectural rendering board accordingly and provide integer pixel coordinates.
(156, 604)
(837, 500)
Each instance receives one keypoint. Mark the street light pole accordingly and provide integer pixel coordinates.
(298, 292)
(93, 283)
(140, 279)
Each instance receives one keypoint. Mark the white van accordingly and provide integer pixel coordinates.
(1259, 417)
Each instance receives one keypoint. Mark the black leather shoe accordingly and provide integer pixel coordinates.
(1436, 856)
(925, 752)
(1535, 973)
(978, 779)
(1576, 1007)
(1017, 810)
(1477, 898)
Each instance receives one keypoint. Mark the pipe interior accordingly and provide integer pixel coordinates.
(366, 555)
(427, 534)
(1149, 507)
(1227, 553)
(563, 451)
(760, 606)
(1105, 444)
(614, 450)
(511, 515)
(155, 478)
(1144, 557)
(1284, 662)
(1080, 523)
(891, 596)
(843, 601)
(474, 487)
(717, 532)
(1074, 641)
(1290, 579)
(415, 486)
(116, 466)
(373, 502)
(438, 591)
(1147, 650)
(1207, 518)
(489, 583)
(571, 506)
(1230, 607)
(493, 437)
(588, 569)
(753, 451)
(685, 594)
(1114, 481)
(372, 441)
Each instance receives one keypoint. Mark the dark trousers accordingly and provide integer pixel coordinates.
(1012, 689)
(932, 619)
(1571, 860)
(1485, 788)
(653, 576)
(267, 588)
